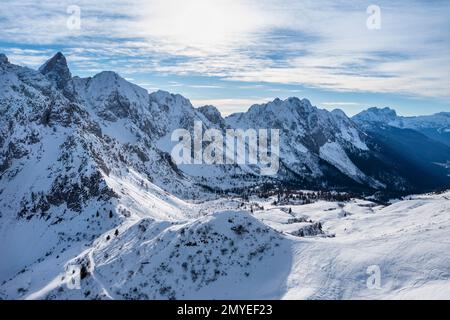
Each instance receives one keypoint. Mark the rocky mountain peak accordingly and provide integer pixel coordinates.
(108, 76)
(57, 70)
(173, 103)
(380, 115)
(3, 58)
(212, 114)
(297, 102)
(339, 113)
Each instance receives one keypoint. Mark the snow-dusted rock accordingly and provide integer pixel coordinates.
(3, 58)
(57, 70)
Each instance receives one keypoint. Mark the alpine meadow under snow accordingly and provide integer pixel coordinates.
(88, 185)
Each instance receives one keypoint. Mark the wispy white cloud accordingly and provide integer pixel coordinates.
(204, 86)
(331, 104)
(320, 44)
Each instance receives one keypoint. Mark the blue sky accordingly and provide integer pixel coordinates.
(232, 53)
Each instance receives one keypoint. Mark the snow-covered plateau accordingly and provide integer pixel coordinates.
(93, 207)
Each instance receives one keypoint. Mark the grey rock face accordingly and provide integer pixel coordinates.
(57, 70)
(3, 58)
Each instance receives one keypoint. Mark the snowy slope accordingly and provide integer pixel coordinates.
(261, 255)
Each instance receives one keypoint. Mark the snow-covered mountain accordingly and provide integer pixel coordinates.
(313, 142)
(318, 148)
(87, 180)
(389, 116)
(436, 126)
(79, 156)
(322, 149)
(62, 179)
(421, 145)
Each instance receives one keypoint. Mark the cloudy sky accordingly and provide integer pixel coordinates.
(233, 53)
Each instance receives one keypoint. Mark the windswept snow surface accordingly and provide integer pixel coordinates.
(229, 249)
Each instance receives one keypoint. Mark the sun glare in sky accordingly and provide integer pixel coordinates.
(203, 24)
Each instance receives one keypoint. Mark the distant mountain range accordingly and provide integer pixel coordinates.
(105, 126)
(435, 126)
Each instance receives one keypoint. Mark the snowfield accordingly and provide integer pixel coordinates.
(234, 249)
